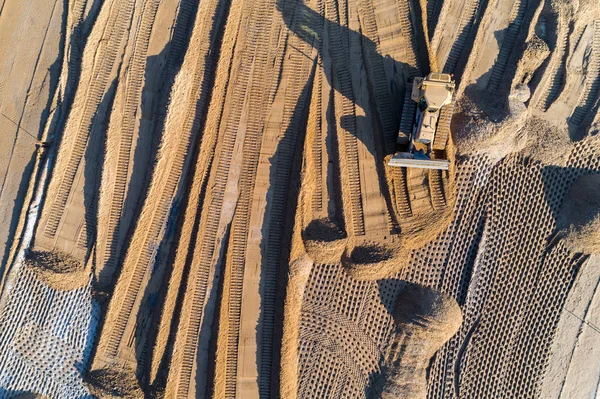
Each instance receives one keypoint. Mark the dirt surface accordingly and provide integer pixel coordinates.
(58, 270)
(579, 219)
(425, 320)
(214, 175)
(109, 383)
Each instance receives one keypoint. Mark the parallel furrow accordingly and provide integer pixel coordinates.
(318, 145)
(556, 69)
(380, 82)
(465, 24)
(167, 188)
(118, 25)
(592, 85)
(349, 145)
(508, 44)
(135, 77)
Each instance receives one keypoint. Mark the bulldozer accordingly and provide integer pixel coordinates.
(425, 123)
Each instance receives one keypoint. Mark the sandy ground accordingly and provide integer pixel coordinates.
(28, 78)
(218, 169)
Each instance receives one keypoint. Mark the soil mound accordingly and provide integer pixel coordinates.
(425, 320)
(579, 218)
(108, 383)
(60, 271)
(372, 261)
(423, 310)
(324, 241)
(370, 253)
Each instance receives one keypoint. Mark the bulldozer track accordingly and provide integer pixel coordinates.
(135, 78)
(592, 83)
(348, 144)
(186, 14)
(408, 114)
(556, 69)
(285, 155)
(199, 280)
(117, 26)
(442, 132)
(317, 146)
(401, 193)
(465, 25)
(166, 190)
(265, 38)
(404, 14)
(508, 44)
(418, 190)
(434, 7)
(189, 330)
(436, 188)
(379, 79)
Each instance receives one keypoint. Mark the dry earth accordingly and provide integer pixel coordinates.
(195, 202)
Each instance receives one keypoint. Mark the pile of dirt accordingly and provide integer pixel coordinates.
(425, 319)
(535, 53)
(110, 383)
(546, 142)
(324, 241)
(58, 270)
(373, 260)
(578, 221)
(370, 254)
(483, 123)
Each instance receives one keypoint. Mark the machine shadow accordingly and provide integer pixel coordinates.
(286, 163)
(347, 68)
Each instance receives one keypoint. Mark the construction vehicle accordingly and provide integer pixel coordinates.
(425, 124)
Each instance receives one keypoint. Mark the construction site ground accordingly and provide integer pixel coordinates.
(195, 200)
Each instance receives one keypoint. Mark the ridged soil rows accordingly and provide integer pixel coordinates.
(117, 26)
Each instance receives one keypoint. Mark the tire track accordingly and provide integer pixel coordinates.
(508, 44)
(372, 54)
(189, 286)
(556, 71)
(401, 193)
(180, 379)
(134, 81)
(348, 148)
(405, 19)
(436, 188)
(317, 145)
(592, 85)
(168, 178)
(117, 26)
(264, 34)
(465, 25)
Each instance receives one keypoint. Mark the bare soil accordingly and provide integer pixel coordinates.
(59, 270)
(110, 383)
(579, 219)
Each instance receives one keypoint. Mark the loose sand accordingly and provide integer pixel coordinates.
(220, 167)
(579, 218)
(110, 383)
(425, 320)
(60, 271)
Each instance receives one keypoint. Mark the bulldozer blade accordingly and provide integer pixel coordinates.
(408, 161)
